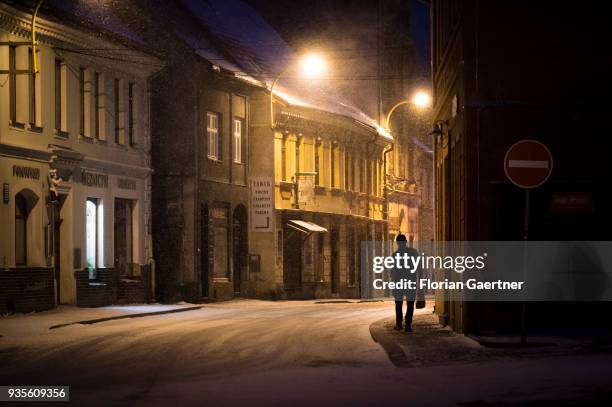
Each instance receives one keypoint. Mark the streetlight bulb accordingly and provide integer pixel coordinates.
(421, 99)
(313, 66)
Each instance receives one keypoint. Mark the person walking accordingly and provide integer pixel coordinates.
(397, 274)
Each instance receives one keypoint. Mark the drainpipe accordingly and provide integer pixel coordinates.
(385, 191)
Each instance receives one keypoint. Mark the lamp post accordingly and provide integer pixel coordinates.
(312, 66)
(420, 99)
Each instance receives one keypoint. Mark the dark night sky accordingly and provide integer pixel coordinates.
(346, 31)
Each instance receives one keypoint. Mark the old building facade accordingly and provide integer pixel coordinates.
(74, 166)
(494, 85)
(326, 218)
(201, 169)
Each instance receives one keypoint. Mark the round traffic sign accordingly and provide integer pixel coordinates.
(528, 163)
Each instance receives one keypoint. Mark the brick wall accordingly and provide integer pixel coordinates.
(109, 288)
(99, 291)
(135, 289)
(26, 289)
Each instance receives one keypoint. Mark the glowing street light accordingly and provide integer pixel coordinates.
(421, 99)
(312, 66)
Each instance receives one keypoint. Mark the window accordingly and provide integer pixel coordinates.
(94, 235)
(34, 92)
(82, 101)
(347, 171)
(368, 172)
(212, 131)
(333, 164)
(96, 93)
(362, 175)
(60, 102)
(238, 129)
(21, 228)
(13, 84)
(317, 163)
(131, 138)
(117, 94)
(352, 171)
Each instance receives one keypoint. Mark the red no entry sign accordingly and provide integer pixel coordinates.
(528, 163)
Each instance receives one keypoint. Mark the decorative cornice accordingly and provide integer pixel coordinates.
(17, 22)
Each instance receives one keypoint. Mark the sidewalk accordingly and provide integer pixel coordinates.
(65, 315)
(430, 344)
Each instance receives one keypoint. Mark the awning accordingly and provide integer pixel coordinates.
(305, 226)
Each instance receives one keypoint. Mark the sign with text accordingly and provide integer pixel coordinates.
(92, 179)
(262, 204)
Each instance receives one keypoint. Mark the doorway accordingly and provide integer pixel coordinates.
(124, 237)
(292, 258)
(335, 272)
(204, 248)
(240, 246)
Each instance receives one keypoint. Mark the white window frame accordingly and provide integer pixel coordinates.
(212, 133)
(238, 140)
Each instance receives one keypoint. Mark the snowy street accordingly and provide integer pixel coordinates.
(251, 352)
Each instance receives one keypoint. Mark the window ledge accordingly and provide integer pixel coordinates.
(17, 125)
(85, 139)
(35, 129)
(221, 280)
(214, 159)
(336, 191)
(98, 141)
(60, 134)
(320, 189)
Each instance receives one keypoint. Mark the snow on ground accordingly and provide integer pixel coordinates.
(253, 353)
(36, 323)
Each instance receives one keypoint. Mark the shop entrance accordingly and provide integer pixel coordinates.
(292, 258)
(124, 236)
(56, 221)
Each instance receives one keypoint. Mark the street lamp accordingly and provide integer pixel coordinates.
(421, 100)
(312, 66)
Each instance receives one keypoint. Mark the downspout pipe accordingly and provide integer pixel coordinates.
(385, 177)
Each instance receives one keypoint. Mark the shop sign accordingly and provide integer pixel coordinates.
(262, 203)
(126, 183)
(92, 179)
(26, 172)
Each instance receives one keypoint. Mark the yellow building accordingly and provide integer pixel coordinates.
(323, 173)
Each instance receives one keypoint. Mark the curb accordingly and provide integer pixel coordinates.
(124, 316)
(394, 351)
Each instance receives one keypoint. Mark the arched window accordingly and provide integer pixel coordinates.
(25, 201)
(21, 230)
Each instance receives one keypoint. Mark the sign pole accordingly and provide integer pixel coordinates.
(528, 164)
(525, 239)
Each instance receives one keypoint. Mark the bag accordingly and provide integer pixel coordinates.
(420, 300)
